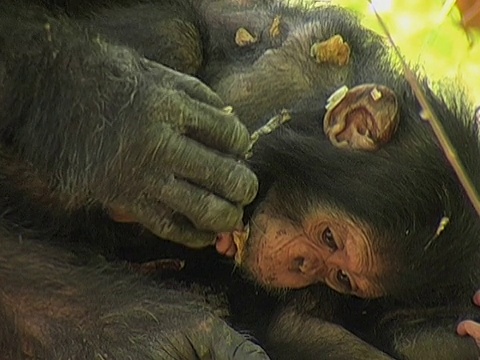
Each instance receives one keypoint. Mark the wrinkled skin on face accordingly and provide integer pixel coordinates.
(323, 249)
(326, 247)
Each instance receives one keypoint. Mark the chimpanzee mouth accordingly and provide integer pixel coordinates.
(234, 244)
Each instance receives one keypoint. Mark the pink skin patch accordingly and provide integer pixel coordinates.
(120, 216)
(225, 244)
(476, 298)
(469, 327)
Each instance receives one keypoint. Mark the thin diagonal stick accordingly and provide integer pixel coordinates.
(429, 116)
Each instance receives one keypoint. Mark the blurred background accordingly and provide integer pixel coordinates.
(436, 34)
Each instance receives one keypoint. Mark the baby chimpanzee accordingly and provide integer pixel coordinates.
(357, 196)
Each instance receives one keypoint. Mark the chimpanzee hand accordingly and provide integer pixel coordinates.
(207, 338)
(174, 331)
(470, 327)
(178, 175)
(146, 142)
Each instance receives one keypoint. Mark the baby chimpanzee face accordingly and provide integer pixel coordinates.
(325, 247)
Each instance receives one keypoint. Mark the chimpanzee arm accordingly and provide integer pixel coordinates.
(167, 32)
(298, 336)
(101, 124)
(52, 307)
(306, 327)
(421, 334)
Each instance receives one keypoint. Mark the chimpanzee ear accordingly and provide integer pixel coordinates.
(363, 118)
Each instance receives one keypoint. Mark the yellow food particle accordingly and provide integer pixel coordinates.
(240, 239)
(275, 27)
(244, 38)
(333, 51)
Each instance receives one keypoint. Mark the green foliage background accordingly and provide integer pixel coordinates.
(428, 37)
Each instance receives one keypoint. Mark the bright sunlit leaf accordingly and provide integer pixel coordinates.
(382, 6)
(432, 33)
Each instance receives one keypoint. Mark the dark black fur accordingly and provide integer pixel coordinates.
(64, 305)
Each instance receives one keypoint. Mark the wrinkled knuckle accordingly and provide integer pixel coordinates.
(196, 87)
(163, 104)
(245, 184)
(164, 228)
(230, 219)
(241, 137)
(219, 215)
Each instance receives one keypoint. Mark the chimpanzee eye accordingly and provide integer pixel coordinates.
(344, 280)
(328, 239)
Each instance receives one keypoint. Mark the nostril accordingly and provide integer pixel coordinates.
(299, 264)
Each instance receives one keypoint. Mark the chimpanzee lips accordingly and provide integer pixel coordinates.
(231, 244)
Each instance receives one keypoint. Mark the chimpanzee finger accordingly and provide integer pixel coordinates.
(186, 83)
(197, 164)
(175, 229)
(181, 233)
(204, 209)
(169, 225)
(470, 328)
(476, 298)
(216, 128)
(199, 91)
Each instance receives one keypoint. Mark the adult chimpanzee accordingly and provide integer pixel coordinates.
(88, 123)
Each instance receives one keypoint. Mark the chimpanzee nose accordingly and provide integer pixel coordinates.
(304, 265)
(299, 262)
(309, 267)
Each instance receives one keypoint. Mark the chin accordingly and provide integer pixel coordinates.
(256, 279)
